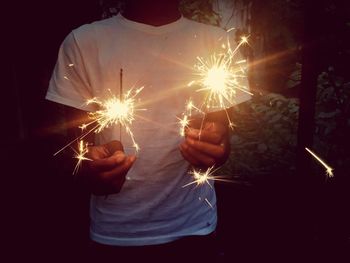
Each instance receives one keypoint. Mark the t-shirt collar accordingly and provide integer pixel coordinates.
(149, 28)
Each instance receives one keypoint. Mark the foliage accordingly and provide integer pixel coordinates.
(264, 138)
(111, 7)
(201, 11)
(332, 120)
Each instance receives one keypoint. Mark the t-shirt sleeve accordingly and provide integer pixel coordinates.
(69, 83)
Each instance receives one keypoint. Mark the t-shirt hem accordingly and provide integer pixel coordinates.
(145, 241)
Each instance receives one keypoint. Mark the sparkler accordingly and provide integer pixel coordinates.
(121, 99)
(221, 76)
(80, 155)
(112, 111)
(329, 170)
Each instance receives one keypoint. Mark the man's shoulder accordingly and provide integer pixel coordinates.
(205, 28)
(96, 27)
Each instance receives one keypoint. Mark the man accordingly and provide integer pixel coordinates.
(138, 204)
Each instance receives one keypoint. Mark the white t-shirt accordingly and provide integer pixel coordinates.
(152, 207)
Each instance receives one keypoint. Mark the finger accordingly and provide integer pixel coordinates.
(216, 127)
(97, 152)
(114, 146)
(195, 122)
(109, 162)
(186, 156)
(212, 150)
(204, 135)
(199, 157)
(120, 170)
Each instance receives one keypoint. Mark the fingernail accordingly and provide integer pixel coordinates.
(190, 141)
(193, 132)
(120, 158)
(132, 158)
(209, 125)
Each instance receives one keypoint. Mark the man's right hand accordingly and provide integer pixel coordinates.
(108, 168)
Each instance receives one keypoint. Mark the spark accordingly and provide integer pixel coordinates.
(244, 39)
(329, 170)
(65, 77)
(80, 155)
(190, 106)
(70, 65)
(184, 123)
(207, 201)
(201, 178)
(185, 120)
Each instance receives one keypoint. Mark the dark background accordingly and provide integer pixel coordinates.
(46, 212)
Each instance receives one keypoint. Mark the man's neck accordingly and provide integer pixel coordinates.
(155, 13)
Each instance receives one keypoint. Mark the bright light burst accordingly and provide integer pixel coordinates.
(201, 178)
(112, 111)
(329, 170)
(80, 155)
(221, 76)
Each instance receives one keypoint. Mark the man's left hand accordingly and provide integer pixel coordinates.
(207, 147)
